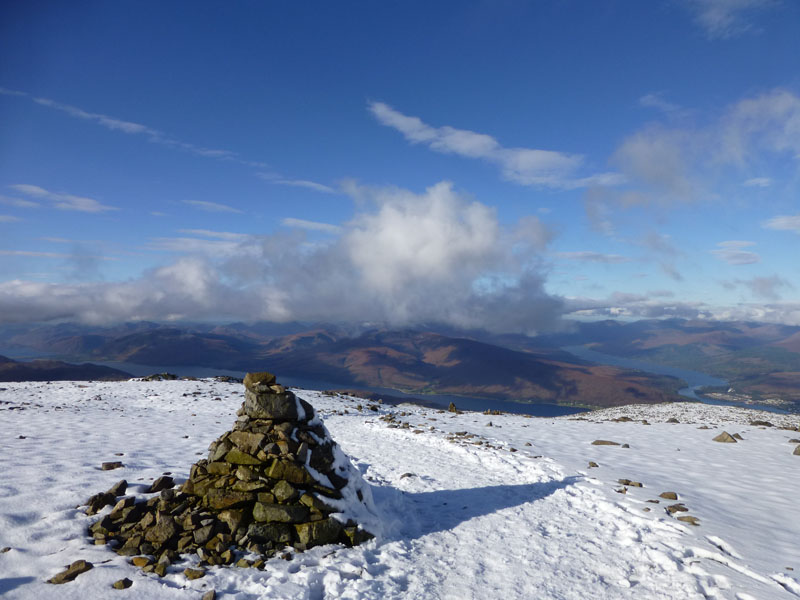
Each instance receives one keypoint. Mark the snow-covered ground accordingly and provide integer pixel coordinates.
(469, 510)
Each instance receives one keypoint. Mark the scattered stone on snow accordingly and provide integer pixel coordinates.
(111, 465)
(604, 443)
(452, 408)
(668, 495)
(71, 572)
(761, 424)
(630, 483)
(6, 549)
(688, 519)
(673, 420)
(593, 465)
(210, 595)
(194, 573)
(122, 584)
(276, 479)
(796, 451)
(738, 436)
(673, 508)
(725, 437)
(794, 441)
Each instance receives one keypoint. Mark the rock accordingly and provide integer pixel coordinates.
(668, 495)
(626, 445)
(141, 561)
(111, 465)
(794, 441)
(452, 408)
(122, 584)
(99, 501)
(691, 520)
(318, 533)
(279, 513)
(259, 382)
(164, 482)
(194, 573)
(725, 437)
(284, 492)
(209, 595)
(738, 436)
(6, 549)
(630, 483)
(237, 457)
(672, 420)
(604, 443)
(71, 572)
(761, 424)
(796, 451)
(593, 465)
(119, 488)
(673, 508)
(282, 407)
(279, 533)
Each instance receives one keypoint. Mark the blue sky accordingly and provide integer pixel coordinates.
(500, 164)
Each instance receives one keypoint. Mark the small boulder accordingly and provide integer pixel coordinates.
(725, 438)
(71, 572)
(668, 495)
(164, 482)
(122, 584)
(691, 520)
(194, 573)
(111, 465)
(604, 443)
(796, 451)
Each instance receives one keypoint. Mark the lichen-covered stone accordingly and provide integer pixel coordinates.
(318, 533)
(279, 512)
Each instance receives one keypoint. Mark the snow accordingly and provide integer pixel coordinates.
(474, 515)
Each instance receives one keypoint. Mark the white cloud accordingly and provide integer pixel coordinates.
(310, 225)
(63, 201)
(303, 183)
(18, 202)
(211, 206)
(732, 252)
(656, 100)
(667, 165)
(37, 254)
(765, 287)
(726, 18)
(527, 166)
(405, 259)
(784, 223)
(588, 256)
(222, 235)
(9, 219)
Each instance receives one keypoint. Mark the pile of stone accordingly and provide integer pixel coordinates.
(276, 480)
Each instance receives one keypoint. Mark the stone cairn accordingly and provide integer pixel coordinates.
(273, 481)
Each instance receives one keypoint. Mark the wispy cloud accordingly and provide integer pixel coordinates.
(303, 183)
(37, 254)
(211, 206)
(9, 219)
(151, 134)
(765, 287)
(732, 252)
(220, 235)
(762, 182)
(656, 100)
(310, 225)
(527, 166)
(784, 223)
(598, 257)
(18, 202)
(63, 201)
(726, 18)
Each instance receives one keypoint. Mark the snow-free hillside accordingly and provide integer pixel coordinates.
(469, 510)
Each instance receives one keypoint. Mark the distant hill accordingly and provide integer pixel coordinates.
(54, 370)
(412, 361)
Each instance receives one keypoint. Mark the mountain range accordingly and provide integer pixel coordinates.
(757, 359)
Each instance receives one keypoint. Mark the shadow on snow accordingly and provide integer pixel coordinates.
(409, 515)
